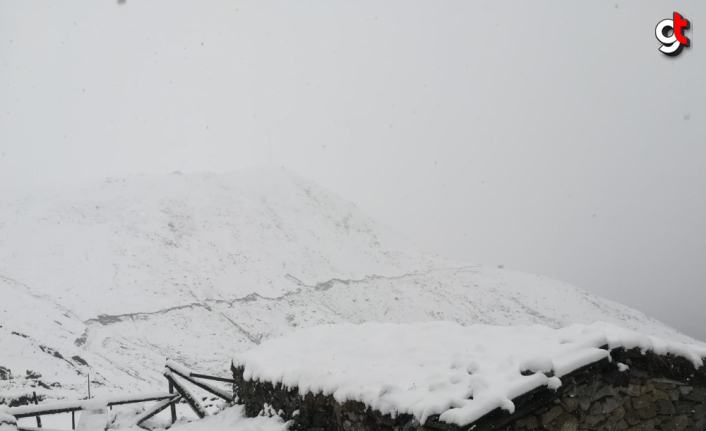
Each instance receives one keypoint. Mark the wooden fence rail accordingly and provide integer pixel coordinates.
(173, 369)
(73, 406)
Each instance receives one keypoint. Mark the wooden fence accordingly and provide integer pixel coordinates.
(173, 372)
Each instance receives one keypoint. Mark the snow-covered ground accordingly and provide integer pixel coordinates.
(439, 368)
(114, 279)
(232, 419)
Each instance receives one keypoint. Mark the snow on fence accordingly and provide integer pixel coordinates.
(92, 404)
(177, 392)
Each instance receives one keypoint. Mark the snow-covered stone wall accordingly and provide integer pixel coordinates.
(652, 393)
(634, 391)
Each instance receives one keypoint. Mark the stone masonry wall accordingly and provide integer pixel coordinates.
(656, 393)
(638, 404)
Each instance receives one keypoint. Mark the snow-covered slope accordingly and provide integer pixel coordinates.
(199, 267)
(179, 239)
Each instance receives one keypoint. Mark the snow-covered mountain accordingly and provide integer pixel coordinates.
(112, 279)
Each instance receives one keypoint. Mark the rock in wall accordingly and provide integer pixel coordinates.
(640, 398)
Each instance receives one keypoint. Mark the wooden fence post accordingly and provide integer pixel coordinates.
(172, 407)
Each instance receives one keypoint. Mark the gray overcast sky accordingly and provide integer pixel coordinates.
(549, 136)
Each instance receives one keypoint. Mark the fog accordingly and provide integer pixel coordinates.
(549, 137)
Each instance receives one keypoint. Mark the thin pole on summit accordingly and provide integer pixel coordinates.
(39, 419)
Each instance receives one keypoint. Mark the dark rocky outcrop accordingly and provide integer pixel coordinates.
(5, 373)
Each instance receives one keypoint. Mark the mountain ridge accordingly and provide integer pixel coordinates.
(112, 279)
